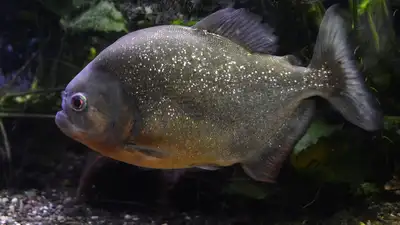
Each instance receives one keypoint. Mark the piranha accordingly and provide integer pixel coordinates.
(212, 95)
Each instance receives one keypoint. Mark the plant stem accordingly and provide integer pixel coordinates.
(26, 115)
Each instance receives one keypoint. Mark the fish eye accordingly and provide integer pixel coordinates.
(78, 102)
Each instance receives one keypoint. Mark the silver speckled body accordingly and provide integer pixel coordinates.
(206, 95)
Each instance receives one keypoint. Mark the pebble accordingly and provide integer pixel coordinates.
(67, 200)
(14, 200)
(135, 218)
(3, 200)
(61, 218)
(30, 193)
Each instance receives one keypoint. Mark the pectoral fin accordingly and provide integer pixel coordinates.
(156, 153)
(266, 166)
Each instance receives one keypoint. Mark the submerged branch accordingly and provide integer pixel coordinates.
(66, 63)
(5, 153)
(33, 92)
(5, 140)
(26, 115)
(4, 89)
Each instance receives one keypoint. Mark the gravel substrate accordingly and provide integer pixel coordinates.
(49, 198)
(32, 207)
(52, 207)
(55, 203)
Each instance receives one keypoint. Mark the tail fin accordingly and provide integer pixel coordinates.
(352, 97)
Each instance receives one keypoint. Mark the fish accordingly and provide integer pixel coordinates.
(212, 95)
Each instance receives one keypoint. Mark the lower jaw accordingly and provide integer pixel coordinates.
(61, 120)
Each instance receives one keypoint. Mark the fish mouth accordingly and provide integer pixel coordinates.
(63, 122)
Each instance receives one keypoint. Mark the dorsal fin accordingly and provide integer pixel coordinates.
(242, 27)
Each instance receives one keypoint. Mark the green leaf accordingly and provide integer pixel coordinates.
(64, 7)
(343, 157)
(365, 189)
(317, 130)
(92, 53)
(392, 122)
(317, 9)
(183, 23)
(79, 3)
(246, 188)
(374, 27)
(103, 17)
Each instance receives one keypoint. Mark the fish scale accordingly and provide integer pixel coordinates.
(233, 79)
(223, 80)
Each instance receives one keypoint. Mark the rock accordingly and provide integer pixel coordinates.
(14, 200)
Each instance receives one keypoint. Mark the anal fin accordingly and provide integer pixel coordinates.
(266, 166)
